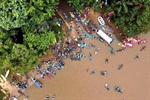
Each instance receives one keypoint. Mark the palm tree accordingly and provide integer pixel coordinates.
(131, 16)
(97, 6)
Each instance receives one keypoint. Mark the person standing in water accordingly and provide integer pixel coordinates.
(137, 57)
(107, 86)
(97, 50)
(47, 97)
(106, 61)
(90, 56)
(120, 67)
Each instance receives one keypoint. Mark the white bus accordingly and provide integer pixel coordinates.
(104, 36)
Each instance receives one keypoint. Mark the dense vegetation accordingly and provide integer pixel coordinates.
(26, 32)
(28, 27)
(132, 16)
(81, 4)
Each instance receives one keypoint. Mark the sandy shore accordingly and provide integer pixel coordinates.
(75, 83)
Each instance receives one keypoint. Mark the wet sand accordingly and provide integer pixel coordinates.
(75, 83)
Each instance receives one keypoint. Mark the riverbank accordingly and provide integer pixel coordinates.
(74, 82)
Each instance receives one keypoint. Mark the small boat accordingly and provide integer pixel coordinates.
(53, 97)
(104, 73)
(142, 41)
(1, 80)
(93, 72)
(47, 97)
(101, 20)
(118, 89)
(130, 45)
(14, 98)
(50, 71)
(7, 73)
(21, 93)
(37, 83)
(3, 91)
(3, 77)
(142, 48)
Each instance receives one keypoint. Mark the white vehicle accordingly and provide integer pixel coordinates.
(101, 20)
(104, 36)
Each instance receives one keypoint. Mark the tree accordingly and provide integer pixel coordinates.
(22, 59)
(41, 10)
(39, 40)
(26, 32)
(6, 44)
(13, 13)
(16, 56)
(16, 13)
(97, 6)
(80, 4)
(132, 17)
(76, 4)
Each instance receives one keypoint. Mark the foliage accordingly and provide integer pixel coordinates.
(76, 4)
(16, 13)
(16, 56)
(80, 4)
(13, 13)
(40, 10)
(97, 6)
(5, 46)
(31, 19)
(23, 58)
(132, 17)
(40, 41)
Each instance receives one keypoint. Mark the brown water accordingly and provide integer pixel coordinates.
(75, 83)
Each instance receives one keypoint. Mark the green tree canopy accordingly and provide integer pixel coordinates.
(132, 16)
(13, 13)
(23, 58)
(17, 56)
(16, 13)
(27, 30)
(40, 10)
(79, 4)
(40, 41)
